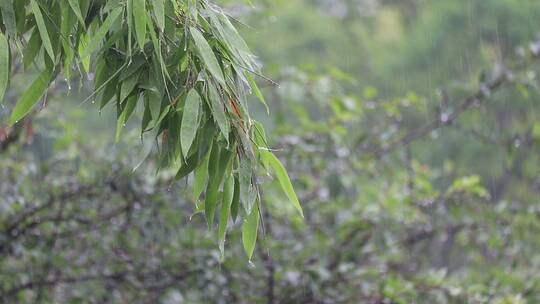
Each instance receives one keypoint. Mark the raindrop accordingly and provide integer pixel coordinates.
(517, 143)
(444, 117)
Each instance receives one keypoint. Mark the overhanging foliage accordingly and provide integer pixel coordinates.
(183, 60)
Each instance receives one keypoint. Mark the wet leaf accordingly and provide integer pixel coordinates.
(190, 120)
(31, 96)
(250, 228)
(207, 55)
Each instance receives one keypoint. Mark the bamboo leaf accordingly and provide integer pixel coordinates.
(159, 13)
(245, 172)
(228, 193)
(190, 120)
(218, 111)
(101, 32)
(77, 10)
(4, 65)
(31, 96)
(218, 162)
(257, 92)
(201, 175)
(207, 55)
(8, 17)
(235, 206)
(139, 18)
(124, 116)
(283, 178)
(188, 167)
(40, 22)
(129, 85)
(210, 201)
(249, 231)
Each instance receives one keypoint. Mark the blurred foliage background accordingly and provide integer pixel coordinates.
(409, 129)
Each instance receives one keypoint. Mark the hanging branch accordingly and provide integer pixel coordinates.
(183, 61)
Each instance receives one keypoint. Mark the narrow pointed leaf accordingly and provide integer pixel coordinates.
(31, 96)
(77, 10)
(235, 206)
(8, 17)
(283, 179)
(201, 176)
(159, 13)
(139, 18)
(4, 65)
(207, 55)
(210, 201)
(245, 173)
(228, 192)
(190, 120)
(257, 92)
(101, 32)
(218, 112)
(249, 231)
(40, 22)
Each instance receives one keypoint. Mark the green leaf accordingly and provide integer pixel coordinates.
(147, 115)
(257, 92)
(4, 65)
(159, 13)
(32, 49)
(247, 191)
(8, 17)
(207, 55)
(31, 96)
(235, 206)
(190, 165)
(249, 231)
(42, 29)
(259, 135)
(77, 10)
(139, 15)
(128, 86)
(124, 116)
(190, 120)
(101, 32)
(218, 162)
(228, 193)
(201, 175)
(218, 111)
(210, 201)
(283, 178)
